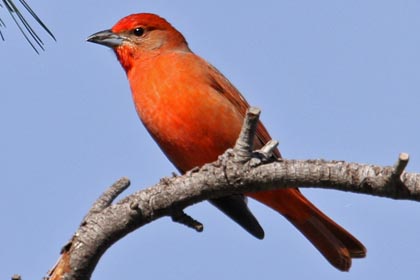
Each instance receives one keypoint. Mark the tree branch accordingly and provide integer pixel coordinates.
(238, 170)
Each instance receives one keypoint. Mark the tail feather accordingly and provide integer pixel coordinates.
(336, 244)
(354, 246)
(326, 242)
(235, 206)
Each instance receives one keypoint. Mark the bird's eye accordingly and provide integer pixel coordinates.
(138, 31)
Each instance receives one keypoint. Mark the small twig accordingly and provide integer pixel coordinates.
(269, 148)
(398, 170)
(109, 195)
(401, 164)
(186, 220)
(244, 144)
(390, 181)
(265, 154)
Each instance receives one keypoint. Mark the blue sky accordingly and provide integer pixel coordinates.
(335, 80)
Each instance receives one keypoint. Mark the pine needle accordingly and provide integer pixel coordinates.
(25, 28)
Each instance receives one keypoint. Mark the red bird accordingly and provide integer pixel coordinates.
(194, 114)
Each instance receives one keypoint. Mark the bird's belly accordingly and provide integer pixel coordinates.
(191, 131)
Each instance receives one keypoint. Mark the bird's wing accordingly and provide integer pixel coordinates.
(221, 84)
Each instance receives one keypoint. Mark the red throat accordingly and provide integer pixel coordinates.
(125, 56)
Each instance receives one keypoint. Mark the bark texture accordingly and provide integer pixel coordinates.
(238, 170)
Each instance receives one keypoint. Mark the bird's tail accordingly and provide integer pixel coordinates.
(336, 244)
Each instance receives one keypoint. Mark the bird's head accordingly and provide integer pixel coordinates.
(139, 36)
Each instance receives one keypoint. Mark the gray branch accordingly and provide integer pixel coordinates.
(238, 170)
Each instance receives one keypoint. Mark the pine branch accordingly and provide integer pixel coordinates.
(24, 26)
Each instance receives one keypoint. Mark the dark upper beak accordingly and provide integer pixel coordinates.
(106, 38)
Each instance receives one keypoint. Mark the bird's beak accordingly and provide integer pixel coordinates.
(106, 38)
